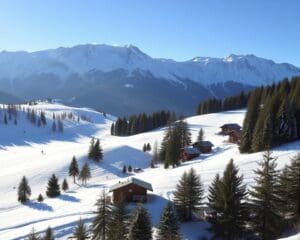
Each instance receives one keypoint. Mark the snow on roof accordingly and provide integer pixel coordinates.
(204, 143)
(191, 150)
(131, 180)
(231, 125)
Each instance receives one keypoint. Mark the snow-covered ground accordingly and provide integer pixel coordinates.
(21, 154)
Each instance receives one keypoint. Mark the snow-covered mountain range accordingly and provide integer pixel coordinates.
(86, 72)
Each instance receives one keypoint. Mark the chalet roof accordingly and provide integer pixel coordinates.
(129, 181)
(204, 143)
(231, 125)
(191, 150)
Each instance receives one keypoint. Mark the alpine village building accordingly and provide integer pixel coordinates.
(227, 128)
(203, 146)
(131, 190)
(188, 153)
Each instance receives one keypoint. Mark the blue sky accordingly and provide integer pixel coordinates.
(175, 29)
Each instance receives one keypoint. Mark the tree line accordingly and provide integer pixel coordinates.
(273, 116)
(214, 105)
(263, 211)
(141, 123)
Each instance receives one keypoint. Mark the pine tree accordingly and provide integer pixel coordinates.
(73, 169)
(24, 191)
(214, 193)
(168, 228)
(33, 235)
(102, 219)
(53, 187)
(140, 225)
(144, 147)
(184, 133)
(117, 226)
(188, 195)
(112, 129)
(200, 135)
(173, 149)
(294, 187)
(85, 173)
(148, 147)
(43, 118)
(253, 108)
(289, 190)
(65, 185)
(80, 232)
(286, 123)
(124, 169)
(130, 168)
(266, 219)
(32, 117)
(228, 198)
(97, 151)
(40, 198)
(49, 235)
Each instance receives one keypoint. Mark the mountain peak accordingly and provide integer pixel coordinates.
(80, 59)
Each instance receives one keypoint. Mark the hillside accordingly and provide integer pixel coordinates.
(119, 78)
(21, 155)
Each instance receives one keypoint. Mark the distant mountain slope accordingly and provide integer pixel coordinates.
(120, 78)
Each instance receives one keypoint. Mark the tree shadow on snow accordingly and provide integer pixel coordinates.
(40, 206)
(68, 198)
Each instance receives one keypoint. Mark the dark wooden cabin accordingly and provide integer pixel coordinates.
(131, 190)
(227, 128)
(234, 136)
(203, 146)
(189, 153)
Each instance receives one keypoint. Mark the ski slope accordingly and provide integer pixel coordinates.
(39, 152)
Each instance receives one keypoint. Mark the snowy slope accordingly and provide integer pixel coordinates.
(62, 213)
(245, 69)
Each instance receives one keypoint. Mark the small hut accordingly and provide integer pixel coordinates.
(227, 128)
(203, 146)
(188, 153)
(131, 190)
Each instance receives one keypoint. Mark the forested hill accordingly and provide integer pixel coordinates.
(273, 116)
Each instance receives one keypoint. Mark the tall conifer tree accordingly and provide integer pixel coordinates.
(168, 228)
(100, 224)
(266, 219)
(140, 225)
(24, 190)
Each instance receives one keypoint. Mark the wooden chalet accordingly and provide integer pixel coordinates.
(203, 146)
(131, 190)
(227, 128)
(188, 153)
(234, 136)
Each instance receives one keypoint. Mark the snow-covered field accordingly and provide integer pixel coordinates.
(38, 152)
